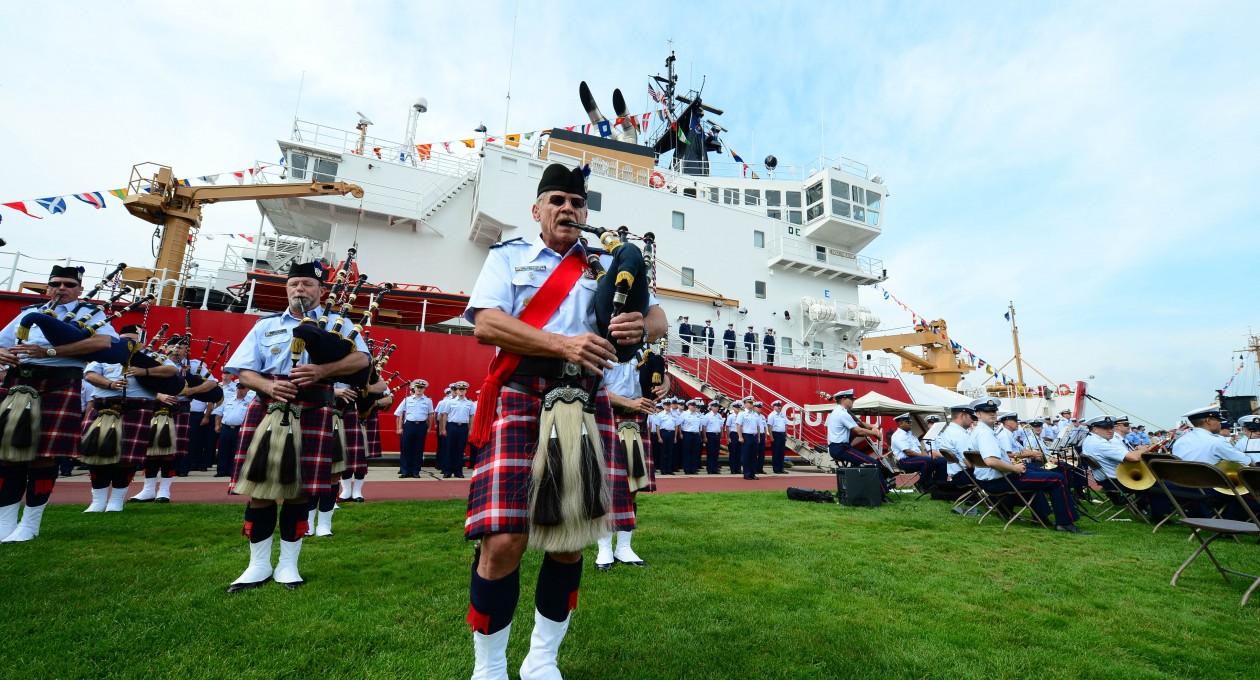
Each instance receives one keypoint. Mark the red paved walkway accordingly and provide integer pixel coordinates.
(201, 488)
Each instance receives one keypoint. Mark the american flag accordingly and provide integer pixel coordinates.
(656, 96)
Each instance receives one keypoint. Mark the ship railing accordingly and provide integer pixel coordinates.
(344, 141)
(810, 253)
(788, 356)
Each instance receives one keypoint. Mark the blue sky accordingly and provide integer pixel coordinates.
(1095, 163)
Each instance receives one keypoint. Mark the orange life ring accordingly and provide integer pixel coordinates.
(1063, 390)
(657, 180)
(850, 362)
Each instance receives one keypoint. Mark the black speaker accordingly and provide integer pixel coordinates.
(1237, 407)
(859, 487)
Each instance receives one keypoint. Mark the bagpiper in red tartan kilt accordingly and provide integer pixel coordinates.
(183, 424)
(137, 415)
(61, 405)
(356, 449)
(317, 435)
(498, 498)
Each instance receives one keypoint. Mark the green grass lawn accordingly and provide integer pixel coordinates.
(742, 585)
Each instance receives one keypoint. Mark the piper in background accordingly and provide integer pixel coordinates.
(288, 392)
(44, 379)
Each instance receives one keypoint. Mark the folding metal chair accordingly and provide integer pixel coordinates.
(969, 487)
(1194, 475)
(1216, 504)
(1250, 478)
(995, 499)
(1110, 505)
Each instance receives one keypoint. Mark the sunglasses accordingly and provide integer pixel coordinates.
(558, 200)
(63, 284)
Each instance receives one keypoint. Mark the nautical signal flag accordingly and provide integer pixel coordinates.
(20, 206)
(423, 151)
(122, 193)
(470, 143)
(605, 128)
(92, 198)
(54, 205)
(513, 140)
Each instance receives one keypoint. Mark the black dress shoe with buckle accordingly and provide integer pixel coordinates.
(242, 587)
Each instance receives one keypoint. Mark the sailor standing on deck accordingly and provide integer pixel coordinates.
(710, 335)
(558, 351)
(728, 341)
(54, 376)
(685, 337)
(263, 363)
(767, 345)
(750, 343)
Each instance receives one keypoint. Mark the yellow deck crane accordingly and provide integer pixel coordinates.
(938, 362)
(154, 195)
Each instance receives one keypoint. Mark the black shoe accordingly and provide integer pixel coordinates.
(223, 475)
(294, 585)
(446, 475)
(604, 567)
(1072, 529)
(402, 476)
(358, 500)
(161, 500)
(781, 472)
(64, 474)
(635, 563)
(242, 587)
(139, 500)
(459, 475)
(753, 477)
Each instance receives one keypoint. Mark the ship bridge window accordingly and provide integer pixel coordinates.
(594, 200)
(872, 200)
(752, 196)
(730, 196)
(785, 344)
(325, 170)
(679, 220)
(820, 253)
(840, 209)
(813, 194)
(839, 189)
(713, 195)
(774, 214)
(759, 239)
(794, 199)
(774, 198)
(688, 277)
(814, 212)
(297, 165)
(689, 192)
(794, 216)
(858, 196)
(859, 213)
(759, 289)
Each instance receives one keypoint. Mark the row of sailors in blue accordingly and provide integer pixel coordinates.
(452, 416)
(678, 436)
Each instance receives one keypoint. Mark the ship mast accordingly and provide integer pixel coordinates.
(1019, 362)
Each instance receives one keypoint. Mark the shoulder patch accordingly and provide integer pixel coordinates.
(518, 240)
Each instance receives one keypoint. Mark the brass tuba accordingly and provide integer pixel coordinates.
(1230, 468)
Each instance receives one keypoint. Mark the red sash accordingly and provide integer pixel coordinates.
(536, 313)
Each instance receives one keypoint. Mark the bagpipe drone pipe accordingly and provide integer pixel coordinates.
(205, 372)
(74, 327)
(622, 287)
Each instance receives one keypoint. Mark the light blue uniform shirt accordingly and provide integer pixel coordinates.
(623, 380)
(265, 349)
(985, 440)
(1006, 440)
(904, 440)
(1201, 446)
(1109, 453)
(777, 422)
(233, 410)
(732, 419)
(713, 422)
(112, 372)
(460, 410)
(417, 410)
(667, 421)
(692, 421)
(840, 426)
(516, 269)
(8, 336)
(956, 440)
(194, 368)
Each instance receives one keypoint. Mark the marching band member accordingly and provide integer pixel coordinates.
(1039, 482)
(1203, 442)
(956, 438)
(910, 456)
(840, 430)
(54, 376)
(415, 417)
(116, 390)
(553, 353)
(1106, 444)
(1249, 442)
(264, 363)
(160, 470)
(777, 423)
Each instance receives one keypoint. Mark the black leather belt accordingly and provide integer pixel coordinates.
(549, 367)
(37, 372)
(234, 427)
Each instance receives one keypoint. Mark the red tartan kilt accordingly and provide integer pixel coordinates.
(646, 437)
(356, 452)
(136, 423)
(183, 423)
(317, 443)
(498, 498)
(61, 405)
(372, 435)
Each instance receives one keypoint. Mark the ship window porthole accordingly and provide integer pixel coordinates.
(594, 200)
(759, 289)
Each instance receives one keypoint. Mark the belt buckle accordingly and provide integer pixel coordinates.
(26, 372)
(571, 370)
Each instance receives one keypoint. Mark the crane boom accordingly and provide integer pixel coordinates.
(154, 195)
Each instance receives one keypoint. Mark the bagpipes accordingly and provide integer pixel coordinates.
(570, 497)
(205, 372)
(146, 356)
(74, 327)
(272, 461)
(368, 402)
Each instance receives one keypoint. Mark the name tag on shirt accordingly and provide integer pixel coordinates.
(532, 268)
